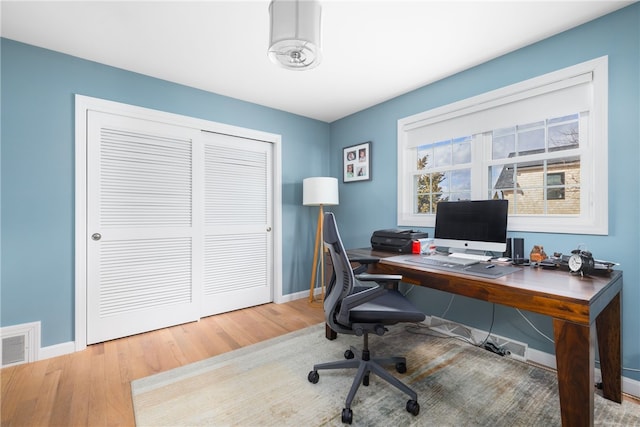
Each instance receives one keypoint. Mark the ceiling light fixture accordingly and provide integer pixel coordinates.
(294, 40)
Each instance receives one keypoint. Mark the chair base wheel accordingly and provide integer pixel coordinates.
(313, 377)
(413, 407)
(347, 416)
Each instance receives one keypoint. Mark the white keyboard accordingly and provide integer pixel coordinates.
(444, 259)
(483, 258)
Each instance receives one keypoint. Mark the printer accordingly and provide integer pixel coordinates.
(396, 240)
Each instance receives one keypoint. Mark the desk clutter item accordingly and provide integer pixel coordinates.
(396, 240)
(478, 269)
(578, 262)
(517, 252)
(537, 254)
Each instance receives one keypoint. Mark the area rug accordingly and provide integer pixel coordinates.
(266, 385)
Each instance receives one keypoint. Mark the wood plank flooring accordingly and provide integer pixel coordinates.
(92, 387)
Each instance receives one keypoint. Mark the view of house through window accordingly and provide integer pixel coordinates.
(536, 166)
(539, 169)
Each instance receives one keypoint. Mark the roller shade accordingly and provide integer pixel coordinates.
(555, 99)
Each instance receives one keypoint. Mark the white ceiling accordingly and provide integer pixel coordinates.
(373, 50)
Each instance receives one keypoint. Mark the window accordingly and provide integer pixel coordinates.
(555, 188)
(444, 173)
(538, 144)
(531, 163)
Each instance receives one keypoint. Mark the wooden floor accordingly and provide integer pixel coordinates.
(92, 387)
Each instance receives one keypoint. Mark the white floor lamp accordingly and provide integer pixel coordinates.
(319, 191)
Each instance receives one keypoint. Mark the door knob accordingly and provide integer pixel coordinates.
(268, 228)
(96, 236)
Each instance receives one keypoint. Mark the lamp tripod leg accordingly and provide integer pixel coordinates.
(318, 246)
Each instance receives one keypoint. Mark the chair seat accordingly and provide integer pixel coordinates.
(387, 309)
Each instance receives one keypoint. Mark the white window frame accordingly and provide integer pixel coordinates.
(593, 218)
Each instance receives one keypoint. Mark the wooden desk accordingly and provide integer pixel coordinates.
(585, 310)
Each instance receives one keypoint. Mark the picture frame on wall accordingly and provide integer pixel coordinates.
(356, 162)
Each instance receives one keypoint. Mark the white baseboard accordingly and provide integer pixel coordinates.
(629, 386)
(295, 296)
(57, 350)
(69, 347)
(291, 297)
(542, 358)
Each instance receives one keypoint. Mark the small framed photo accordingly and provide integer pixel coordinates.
(356, 162)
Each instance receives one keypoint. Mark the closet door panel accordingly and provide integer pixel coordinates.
(238, 243)
(141, 234)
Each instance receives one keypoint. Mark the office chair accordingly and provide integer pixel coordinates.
(360, 310)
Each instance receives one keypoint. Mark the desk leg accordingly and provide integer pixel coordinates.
(575, 364)
(608, 330)
(329, 333)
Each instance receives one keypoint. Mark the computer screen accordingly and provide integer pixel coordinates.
(472, 226)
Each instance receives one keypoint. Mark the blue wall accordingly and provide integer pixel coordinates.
(38, 88)
(37, 175)
(372, 205)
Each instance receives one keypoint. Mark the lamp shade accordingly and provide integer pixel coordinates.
(318, 191)
(294, 39)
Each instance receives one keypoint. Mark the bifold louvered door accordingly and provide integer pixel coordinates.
(238, 259)
(142, 247)
(178, 224)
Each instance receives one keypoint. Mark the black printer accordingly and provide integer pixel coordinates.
(396, 240)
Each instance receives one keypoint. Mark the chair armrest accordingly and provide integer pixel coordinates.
(357, 299)
(389, 281)
(364, 259)
(366, 277)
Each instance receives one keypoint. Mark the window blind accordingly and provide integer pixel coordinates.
(486, 113)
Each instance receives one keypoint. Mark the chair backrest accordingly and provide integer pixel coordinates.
(344, 277)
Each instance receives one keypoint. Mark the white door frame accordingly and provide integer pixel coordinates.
(82, 105)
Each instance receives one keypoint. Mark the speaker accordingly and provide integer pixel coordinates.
(517, 253)
(507, 253)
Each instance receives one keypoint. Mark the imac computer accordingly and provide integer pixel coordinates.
(472, 227)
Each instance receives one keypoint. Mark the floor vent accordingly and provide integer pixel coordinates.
(511, 348)
(20, 343)
(14, 350)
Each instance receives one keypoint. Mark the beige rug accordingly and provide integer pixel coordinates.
(266, 385)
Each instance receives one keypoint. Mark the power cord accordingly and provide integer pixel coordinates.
(598, 385)
(422, 329)
(419, 328)
(486, 344)
(446, 310)
(493, 318)
(490, 345)
(533, 326)
(495, 349)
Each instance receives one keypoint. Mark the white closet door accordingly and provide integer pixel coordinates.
(238, 218)
(142, 242)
